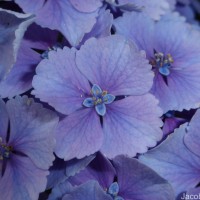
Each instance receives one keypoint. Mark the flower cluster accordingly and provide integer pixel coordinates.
(99, 100)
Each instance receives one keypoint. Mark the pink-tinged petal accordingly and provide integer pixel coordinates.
(32, 130)
(22, 180)
(192, 137)
(12, 28)
(94, 172)
(131, 126)
(30, 6)
(87, 5)
(137, 181)
(153, 8)
(88, 191)
(115, 65)
(59, 83)
(3, 120)
(174, 162)
(61, 15)
(79, 135)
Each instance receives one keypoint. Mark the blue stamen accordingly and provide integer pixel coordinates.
(113, 191)
(98, 100)
(163, 63)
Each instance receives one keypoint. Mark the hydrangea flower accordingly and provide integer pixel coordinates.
(12, 28)
(173, 161)
(73, 18)
(26, 148)
(89, 86)
(174, 56)
(126, 179)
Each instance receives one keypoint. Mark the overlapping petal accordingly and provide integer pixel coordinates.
(32, 130)
(115, 65)
(137, 181)
(79, 135)
(192, 137)
(173, 161)
(61, 15)
(22, 179)
(12, 28)
(131, 125)
(59, 83)
(88, 191)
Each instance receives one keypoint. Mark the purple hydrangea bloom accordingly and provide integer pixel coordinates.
(26, 148)
(175, 162)
(134, 180)
(12, 28)
(73, 18)
(114, 68)
(174, 56)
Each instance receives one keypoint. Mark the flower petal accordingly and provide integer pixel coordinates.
(12, 28)
(78, 135)
(96, 90)
(115, 65)
(88, 102)
(108, 98)
(59, 83)
(173, 161)
(3, 120)
(131, 125)
(62, 16)
(22, 179)
(32, 130)
(88, 191)
(94, 172)
(87, 5)
(192, 136)
(101, 109)
(137, 181)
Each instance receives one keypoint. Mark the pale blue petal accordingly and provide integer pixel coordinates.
(88, 102)
(96, 90)
(113, 189)
(164, 71)
(108, 98)
(101, 109)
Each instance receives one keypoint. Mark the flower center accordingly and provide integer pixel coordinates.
(4, 150)
(113, 191)
(162, 62)
(98, 100)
